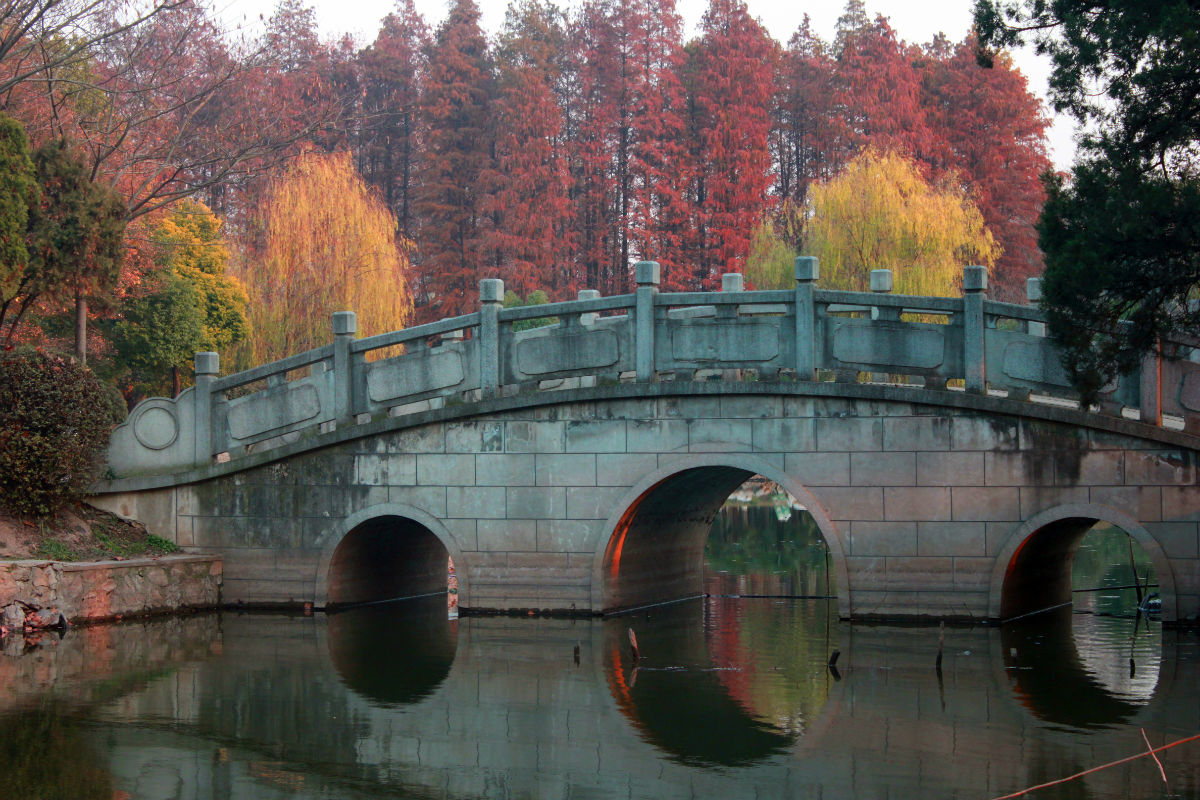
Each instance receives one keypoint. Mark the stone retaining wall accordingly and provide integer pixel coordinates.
(102, 590)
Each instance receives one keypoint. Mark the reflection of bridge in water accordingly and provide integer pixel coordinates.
(577, 467)
(498, 708)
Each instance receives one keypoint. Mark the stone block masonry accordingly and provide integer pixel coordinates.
(105, 590)
(599, 498)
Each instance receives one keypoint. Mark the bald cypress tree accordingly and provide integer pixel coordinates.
(456, 103)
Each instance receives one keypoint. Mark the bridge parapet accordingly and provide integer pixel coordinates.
(805, 334)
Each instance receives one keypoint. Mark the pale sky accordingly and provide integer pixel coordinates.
(914, 21)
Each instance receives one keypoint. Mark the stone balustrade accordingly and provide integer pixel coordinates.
(938, 344)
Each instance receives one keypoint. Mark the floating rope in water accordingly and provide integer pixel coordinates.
(1149, 752)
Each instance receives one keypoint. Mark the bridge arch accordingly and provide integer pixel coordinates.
(387, 547)
(1033, 567)
(655, 535)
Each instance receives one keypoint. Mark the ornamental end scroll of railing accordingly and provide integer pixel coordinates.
(966, 343)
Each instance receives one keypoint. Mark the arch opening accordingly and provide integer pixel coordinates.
(1081, 561)
(387, 557)
(765, 543)
(656, 552)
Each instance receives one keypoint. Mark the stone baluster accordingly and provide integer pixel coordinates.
(345, 325)
(1150, 404)
(807, 271)
(586, 320)
(491, 298)
(882, 283)
(974, 350)
(1033, 297)
(588, 294)
(207, 365)
(730, 282)
(648, 275)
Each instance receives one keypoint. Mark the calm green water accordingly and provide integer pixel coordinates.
(732, 698)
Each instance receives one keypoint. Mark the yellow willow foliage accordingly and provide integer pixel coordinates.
(330, 245)
(880, 213)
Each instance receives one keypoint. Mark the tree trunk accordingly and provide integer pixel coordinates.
(80, 326)
(175, 383)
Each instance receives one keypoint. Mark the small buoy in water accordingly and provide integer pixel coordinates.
(633, 646)
(577, 653)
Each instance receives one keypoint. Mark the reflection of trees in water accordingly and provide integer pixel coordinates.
(675, 699)
(723, 683)
(44, 755)
(766, 555)
(1103, 561)
(772, 656)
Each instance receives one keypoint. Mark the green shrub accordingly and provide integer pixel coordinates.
(157, 544)
(54, 425)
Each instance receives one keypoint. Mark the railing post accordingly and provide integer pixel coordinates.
(1150, 403)
(1033, 297)
(648, 275)
(345, 325)
(491, 298)
(588, 294)
(807, 272)
(882, 283)
(207, 365)
(974, 293)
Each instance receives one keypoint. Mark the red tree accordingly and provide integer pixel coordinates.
(456, 104)
(390, 137)
(627, 122)
(732, 82)
(528, 244)
(877, 94)
(992, 133)
(803, 136)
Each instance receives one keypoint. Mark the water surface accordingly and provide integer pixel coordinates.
(731, 698)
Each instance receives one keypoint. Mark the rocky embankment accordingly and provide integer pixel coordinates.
(38, 595)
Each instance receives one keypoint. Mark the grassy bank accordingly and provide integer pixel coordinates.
(78, 533)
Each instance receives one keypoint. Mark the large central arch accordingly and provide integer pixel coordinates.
(653, 550)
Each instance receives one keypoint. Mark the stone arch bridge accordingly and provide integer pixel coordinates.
(578, 465)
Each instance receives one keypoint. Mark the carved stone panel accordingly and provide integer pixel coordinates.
(274, 408)
(1189, 391)
(413, 374)
(895, 345)
(1037, 363)
(560, 352)
(155, 427)
(709, 342)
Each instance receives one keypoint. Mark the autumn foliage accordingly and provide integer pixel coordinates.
(880, 213)
(329, 245)
(389, 176)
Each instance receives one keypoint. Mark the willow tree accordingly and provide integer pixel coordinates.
(328, 245)
(881, 213)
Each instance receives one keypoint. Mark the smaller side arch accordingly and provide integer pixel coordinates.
(403, 511)
(1011, 550)
(626, 508)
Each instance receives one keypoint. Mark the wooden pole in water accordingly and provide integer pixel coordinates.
(941, 643)
(1133, 568)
